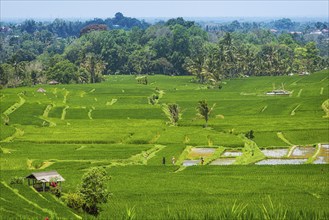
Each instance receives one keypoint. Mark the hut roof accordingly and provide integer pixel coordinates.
(46, 176)
(41, 90)
(278, 92)
(53, 82)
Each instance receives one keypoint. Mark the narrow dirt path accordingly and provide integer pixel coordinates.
(17, 133)
(64, 112)
(15, 106)
(311, 159)
(325, 107)
(89, 114)
(281, 136)
(90, 111)
(47, 110)
(291, 150)
(299, 93)
(265, 107)
(139, 159)
(293, 112)
(65, 96)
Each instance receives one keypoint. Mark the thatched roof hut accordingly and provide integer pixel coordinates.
(44, 178)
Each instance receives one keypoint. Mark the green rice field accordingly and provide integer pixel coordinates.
(70, 128)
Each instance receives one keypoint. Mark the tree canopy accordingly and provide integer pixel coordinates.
(82, 52)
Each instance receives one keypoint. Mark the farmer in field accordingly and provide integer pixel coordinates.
(202, 160)
(173, 160)
(163, 160)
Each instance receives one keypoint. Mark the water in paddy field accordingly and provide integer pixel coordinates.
(188, 163)
(325, 146)
(201, 152)
(281, 162)
(275, 152)
(303, 152)
(320, 160)
(223, 161)
(323, 156)
(232, 154)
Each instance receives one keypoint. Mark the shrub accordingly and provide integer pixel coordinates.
(93, 189)
(142, 80)
(55, 190)
(250, 135)
(173, 113)
(36, 164)
(17, 180)
(153, 99)
(74, 200)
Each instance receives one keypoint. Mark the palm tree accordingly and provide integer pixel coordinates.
(194, 67)
(173, 113)
(95, 66)
(204, 111)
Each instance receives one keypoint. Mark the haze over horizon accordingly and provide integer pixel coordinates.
(26, 9)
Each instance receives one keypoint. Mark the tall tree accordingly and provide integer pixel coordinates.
(93, 189)
(95, 66)
(63, 72)
(203, 110)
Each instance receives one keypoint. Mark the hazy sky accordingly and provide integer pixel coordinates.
(167, 8)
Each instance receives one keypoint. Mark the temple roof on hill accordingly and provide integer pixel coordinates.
(46, 176)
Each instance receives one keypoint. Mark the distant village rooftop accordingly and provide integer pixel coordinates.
(41, 90)
(53, 82)
(278, 92)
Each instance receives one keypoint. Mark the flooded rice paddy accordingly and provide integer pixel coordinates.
(223, 161)
(299, 155)
(201, 152)
(188, 163)
(323, 156)
(321, 160)
(303, 152)
(232, 153)
(275, 152)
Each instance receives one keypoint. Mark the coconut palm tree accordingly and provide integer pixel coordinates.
(204, 110)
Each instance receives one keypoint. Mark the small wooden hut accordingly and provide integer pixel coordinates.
(45, 178)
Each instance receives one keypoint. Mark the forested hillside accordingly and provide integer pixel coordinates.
(35, 52)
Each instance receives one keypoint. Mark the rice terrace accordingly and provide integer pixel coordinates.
(164, 110)
(69, 128)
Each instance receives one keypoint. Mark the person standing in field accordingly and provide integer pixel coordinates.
(163, 160)
(173, 160)
(202, 160)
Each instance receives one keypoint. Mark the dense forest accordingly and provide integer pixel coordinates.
(83, 52)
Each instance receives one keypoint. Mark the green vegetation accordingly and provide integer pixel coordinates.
(84, 52)
(204, 111)
(127, 137)
(173, 113)
(93, 189)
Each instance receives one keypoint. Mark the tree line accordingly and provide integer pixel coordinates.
(31, 54)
